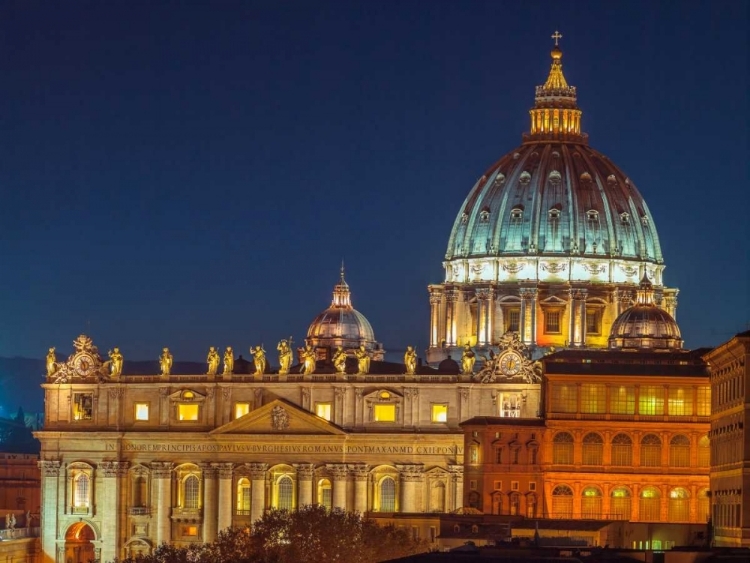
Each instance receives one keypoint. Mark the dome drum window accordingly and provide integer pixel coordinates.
(525, 178)
(555, 178)
(625, 218)
(516, 213)
(499, 179)
(484, 215)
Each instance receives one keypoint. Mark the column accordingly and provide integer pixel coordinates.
(161, 473)
(528, 315)
(360, 473)
(411, 478)
(338, 473)
(209, 502)
(451, 298)
(483, 335)
(490, 316)
(50, 508)
(305, 484)
(258, 495)
(456, 493)
(435, 299)
(577, 309)
(225, 495)
(113, 472)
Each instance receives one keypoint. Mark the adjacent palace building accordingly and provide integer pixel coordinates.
(554, 247)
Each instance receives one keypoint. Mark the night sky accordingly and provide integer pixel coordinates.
(191, 174)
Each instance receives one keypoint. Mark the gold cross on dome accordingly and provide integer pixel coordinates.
(556, 36)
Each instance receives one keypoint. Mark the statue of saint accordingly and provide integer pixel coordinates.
(259, 359)
(213, 361)
(228, 361)
(51, 362)
(339, 360)
(115, 366)
(363, 360)
(165, 362)
(285, 356)
(410, 360)
(308, 357)
(467, 360)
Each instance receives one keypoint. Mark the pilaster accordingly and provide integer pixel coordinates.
(225, 495)
(50, 508)
(305, 472)
(360, 474)
(339, 473)
(210, 501)
(113, 473)
(411, 477)
(161, 472)
(258, 472)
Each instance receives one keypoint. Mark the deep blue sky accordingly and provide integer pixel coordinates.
(188, 174)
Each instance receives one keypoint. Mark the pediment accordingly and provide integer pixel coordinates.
(279, 417)
(187, 396)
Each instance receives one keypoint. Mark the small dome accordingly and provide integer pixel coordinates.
(645, 325)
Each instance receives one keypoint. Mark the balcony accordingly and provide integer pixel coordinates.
(139, 511)
(186, 514)
(80, 510)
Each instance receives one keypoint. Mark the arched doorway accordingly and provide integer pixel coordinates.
(78, 546)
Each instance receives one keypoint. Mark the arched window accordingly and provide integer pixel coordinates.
(324, 493)
(192, 492)
(650, 451)
(437, 497)
(591, 503)
(679, 505)
(140, 496)
(243, 497)
(562, 502)
(622, 450)
(81, 490)
(387, 495)
(531, 505)
(474, 453)
(286, 493)
(515, 503)
(704, 506)
(562, 449)
(621, 505)
(704, 452)
(679, 451)
(593, 449)
(650, 505)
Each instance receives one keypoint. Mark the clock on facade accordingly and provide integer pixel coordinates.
(511, 363)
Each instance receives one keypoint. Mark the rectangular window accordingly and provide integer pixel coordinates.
(241, 409)
(83, 406)
(564, 397)
(190, 530)
(439, 413)
(532, 485)
(384, 413)
(552, 322)
(473, 485)
(187, 412)
(651, 400)
(704, 400)
(323, 410)
(514, 485)
(593, 397)
(622, 399)
(498, 455)
(513, 320)
(141, 411)
(593, 321)
(680, 401)
(498, 485)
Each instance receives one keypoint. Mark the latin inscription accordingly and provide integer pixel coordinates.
(290, 448)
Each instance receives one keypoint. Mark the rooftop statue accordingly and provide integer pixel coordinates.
(339, 360)
(228, 361)
(51, 362)
(410, 360)
(286, 356)
(115, 362)
(308, 357)
(165, 362)
(259, 359)
(363, 360)
(213, 361)
(467, 360)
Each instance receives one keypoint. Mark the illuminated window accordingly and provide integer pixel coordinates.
(704, 506)
(679, 451)
(81, 490)
(83, 406)
(591, 503)
(650, 505)
(515, 501)
(704, 400)
(562, 502)
(593, 321)
(512, 320)
(562, 449)
(187, 412)
(593, 398)
(439, 413)
(679, 505)
(531, 504)
(323, 410)
(141, 411)
(285, 493)
(564, 397)
(620, 504)
(593, 449)
(474, 453)
(190, 531)
(244, 492)
(704, 452)
(650, 451)
(552, 322)
(384, 413)
(191, 488)
(324, 494)
(241, 409)
(622, 450)
(651, 400)
(387, 495)
(622, 399)
(680, 402)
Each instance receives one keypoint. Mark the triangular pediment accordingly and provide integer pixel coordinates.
(279, 417)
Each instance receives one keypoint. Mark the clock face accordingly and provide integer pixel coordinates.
(84, 365)
(510, 363)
